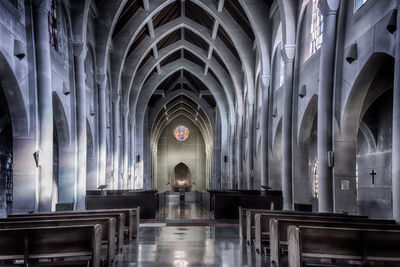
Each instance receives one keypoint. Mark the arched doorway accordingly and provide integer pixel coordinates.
(367, 132)
(181, 177)
(16, 140)
(374, 152)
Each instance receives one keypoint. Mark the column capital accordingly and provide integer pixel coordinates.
(101, 81)
(329, 7)
(115, 98)
(42, 5)
(265, 80)
(125, 111)
(80, 50)
(288, 52)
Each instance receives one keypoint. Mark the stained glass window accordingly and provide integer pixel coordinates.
(181, 133)
(316, 27)
(53, 25)
(315, 178)
(282, 72)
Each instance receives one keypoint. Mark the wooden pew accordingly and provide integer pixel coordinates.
(148, 203)
(67, 242)
(278, 232)
(131, 222)
(364, 245)
(227, 206)
(108, 226)
(249, 216)
(243, 220)
(262, 223)
(119, 217)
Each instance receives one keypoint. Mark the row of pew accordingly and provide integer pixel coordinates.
(224, 204)
(315, 239)
(67, 238)
(147, 200)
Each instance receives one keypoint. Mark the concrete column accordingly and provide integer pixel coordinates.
(287, 144)
(45, 105)
(116, 146)
(102, 81)
(396, 127)
(250, 142)
(231, 157)
(80, 51)
(125, 146)
(264, 130)
(239, 159)
(329, 9)
(133, 158)
(217, 174)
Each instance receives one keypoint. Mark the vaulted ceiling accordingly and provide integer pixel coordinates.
(196, 50)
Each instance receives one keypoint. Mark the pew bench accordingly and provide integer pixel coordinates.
(262, 226)
(227, 206)
(249, 216)
(108, 226)
(147, 202)
(310, 244)
(60, 245)
(278, 233)
(119, 218)
(131, 222)
(243, 220)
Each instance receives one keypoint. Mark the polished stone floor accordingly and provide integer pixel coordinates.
(184, 246)
(176, 210)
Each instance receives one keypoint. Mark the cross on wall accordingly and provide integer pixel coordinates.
(373, 173)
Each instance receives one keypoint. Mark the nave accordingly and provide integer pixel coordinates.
(181, 239)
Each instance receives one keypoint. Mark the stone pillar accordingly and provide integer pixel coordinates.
(217, 174)
(116, 136)
(329, 9)
(264, 130)
(250, 148)
(231, 157)
(132, 158)
(125, 146)
(239, 135)
(45, 105)
(102, 81)
(287, 144)
(80, 51)
(396, 127)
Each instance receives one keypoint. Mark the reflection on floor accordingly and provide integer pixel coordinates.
(178, 210)
(188, 245)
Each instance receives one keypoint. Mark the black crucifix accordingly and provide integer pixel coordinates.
(373, 173)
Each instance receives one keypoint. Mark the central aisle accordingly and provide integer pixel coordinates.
(174, 241)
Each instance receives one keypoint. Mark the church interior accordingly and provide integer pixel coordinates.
(199, 133)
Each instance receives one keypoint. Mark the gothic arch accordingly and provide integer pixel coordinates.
(16, 105)
(355, 104)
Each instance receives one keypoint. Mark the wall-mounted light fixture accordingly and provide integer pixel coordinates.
(352, 53)
(274, 111)
(302, 91)
(19, 50)
(66, 90)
